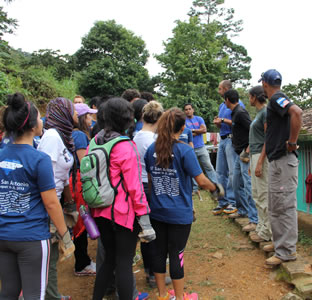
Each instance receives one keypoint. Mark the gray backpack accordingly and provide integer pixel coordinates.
(97, 188)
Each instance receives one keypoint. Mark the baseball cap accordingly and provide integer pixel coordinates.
(83, 109)
(272, 77)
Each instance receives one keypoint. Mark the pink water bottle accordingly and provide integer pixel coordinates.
(88, 221)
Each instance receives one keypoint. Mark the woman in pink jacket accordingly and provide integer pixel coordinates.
(131, 210)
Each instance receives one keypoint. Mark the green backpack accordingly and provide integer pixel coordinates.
(97, 188)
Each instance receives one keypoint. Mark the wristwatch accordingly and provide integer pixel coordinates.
(222, 120)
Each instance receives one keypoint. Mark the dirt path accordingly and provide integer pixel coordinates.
(215, 267)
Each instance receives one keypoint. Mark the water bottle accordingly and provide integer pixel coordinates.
(88, 221)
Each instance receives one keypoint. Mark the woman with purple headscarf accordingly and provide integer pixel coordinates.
(58, 143)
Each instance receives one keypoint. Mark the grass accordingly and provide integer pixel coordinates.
(303, 239)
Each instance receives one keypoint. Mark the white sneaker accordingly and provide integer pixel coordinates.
(89, 270)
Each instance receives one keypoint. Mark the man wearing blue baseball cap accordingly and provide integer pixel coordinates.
(284, 120)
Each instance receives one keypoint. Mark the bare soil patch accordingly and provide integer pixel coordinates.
(215, 268)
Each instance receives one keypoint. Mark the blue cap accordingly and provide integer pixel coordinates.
(272, 77)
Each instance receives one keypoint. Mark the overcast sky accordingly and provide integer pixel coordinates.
(277, 33)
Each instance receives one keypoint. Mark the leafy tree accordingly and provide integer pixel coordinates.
(7, 25)
(193, 67)
(300, 93)
(212, 12)
(62, 65)
(201, 54)
(111, 60)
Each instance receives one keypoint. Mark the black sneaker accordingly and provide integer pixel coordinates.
(218, 210)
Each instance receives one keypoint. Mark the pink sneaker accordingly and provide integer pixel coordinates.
(171, 293)
(193, 296)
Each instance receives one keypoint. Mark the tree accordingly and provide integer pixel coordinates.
(193, 67)
(212, 12)
(62, 65)
(201, 54)
(300, 93)
(7, 25)
(111, 60)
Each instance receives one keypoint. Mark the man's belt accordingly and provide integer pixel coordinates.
(229, 135)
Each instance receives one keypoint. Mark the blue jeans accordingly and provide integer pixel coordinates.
(225, 166)
(204, 160)
(242, 190)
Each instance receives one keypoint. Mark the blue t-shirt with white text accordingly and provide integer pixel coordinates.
(9, 140)
(25, 172)
(186, 136)
(171, 195)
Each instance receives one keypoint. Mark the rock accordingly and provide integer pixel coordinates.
(217, 255)
(303, 286)
(291, 296)
(243, 247)
(297, 268)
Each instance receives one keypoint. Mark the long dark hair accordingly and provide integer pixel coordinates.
(82, 125)
(258, 92)
(117, 115)
(169, 124)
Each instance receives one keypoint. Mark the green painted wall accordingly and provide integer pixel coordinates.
(305, 167)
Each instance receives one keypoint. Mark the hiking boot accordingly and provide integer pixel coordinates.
(236, 215)
(251, 233)
(256, 238)
(249, 227)
(230, 209)
(268, 248)
(273, 261)
(218, 210)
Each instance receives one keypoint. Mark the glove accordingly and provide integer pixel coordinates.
(148, 234)
(70, 214)
(53, 232)
(66, 246)
(218, 192)
(244, 157)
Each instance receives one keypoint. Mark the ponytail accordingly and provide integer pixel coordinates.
(169, 124)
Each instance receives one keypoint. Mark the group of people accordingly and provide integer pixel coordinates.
(153, 172)
(257, 163)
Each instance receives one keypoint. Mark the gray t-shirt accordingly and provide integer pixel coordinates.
(256, 132)
(143, 140)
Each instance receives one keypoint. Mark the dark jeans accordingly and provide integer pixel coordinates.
(119, 244)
